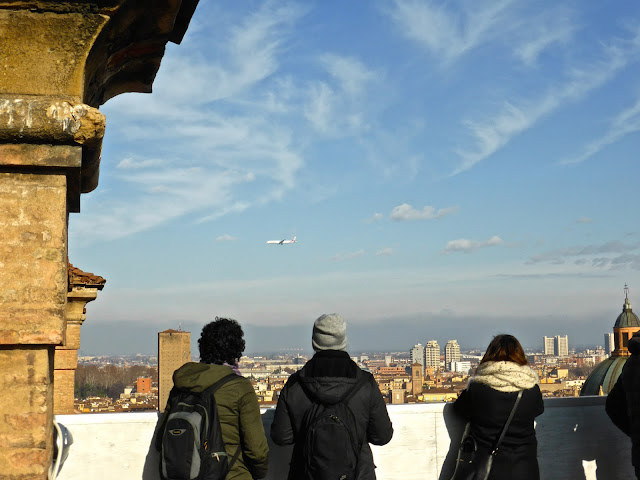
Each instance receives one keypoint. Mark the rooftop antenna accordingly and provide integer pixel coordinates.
(180, 325)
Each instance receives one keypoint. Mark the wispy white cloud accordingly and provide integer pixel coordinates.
(539, 32)
(584, 220)
(625, 123)
(494, 132)
(131, 163)
(210, 149)
(226, 238)
(589, 253)
(338, 106)
(376, 217)
(448, 33)
(350, 73)
(407, 212)
(385, 252)
(468, 246)
(339, 257)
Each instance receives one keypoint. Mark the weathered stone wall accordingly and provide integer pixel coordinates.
(33, 249)
(26, 427)
(59, 61)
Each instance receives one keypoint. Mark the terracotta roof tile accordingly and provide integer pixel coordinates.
(79, 278)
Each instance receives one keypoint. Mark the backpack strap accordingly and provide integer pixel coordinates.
(213, 388)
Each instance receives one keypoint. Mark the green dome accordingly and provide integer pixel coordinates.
(627, 318)
(605, 374)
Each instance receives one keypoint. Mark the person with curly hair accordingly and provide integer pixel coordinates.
(221, 345)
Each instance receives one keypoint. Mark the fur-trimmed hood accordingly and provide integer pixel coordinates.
(506, 376)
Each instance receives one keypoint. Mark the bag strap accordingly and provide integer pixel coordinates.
(506, 425)
(213, 388)
(235, 456)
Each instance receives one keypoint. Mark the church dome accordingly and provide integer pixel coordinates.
(604, 375)
(627, 319)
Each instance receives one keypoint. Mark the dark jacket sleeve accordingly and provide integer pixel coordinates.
(379, 427)
(616, 407)
(255, 449)
(281, 428)
(540, 406)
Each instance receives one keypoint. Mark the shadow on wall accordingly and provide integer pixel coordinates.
(279, 457)
(455, 427)
(590, 462)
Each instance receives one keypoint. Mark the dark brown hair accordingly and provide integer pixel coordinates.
(505, 348)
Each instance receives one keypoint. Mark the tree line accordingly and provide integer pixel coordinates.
(109, 380)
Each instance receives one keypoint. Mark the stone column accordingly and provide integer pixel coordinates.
(59, 61)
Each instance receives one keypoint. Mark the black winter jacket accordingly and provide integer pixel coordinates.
(623, 401)
(488, 409)
(329, 377)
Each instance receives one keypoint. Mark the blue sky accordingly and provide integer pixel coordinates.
(463, 167)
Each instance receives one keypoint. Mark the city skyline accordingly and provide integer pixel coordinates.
(443, 166)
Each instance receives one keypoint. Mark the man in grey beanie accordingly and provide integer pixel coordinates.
(327, 383)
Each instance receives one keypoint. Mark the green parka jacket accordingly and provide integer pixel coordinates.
(239, 414)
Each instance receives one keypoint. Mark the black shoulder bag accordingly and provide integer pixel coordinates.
(474, 464)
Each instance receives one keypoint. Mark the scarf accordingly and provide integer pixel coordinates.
(234, 367)
(506, 376)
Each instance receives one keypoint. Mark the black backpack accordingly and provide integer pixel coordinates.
(190, 439)
(331, 443)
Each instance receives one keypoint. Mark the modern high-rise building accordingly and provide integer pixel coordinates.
(174, 350)
(609, 343)
(549, 345)
(561, 345)
(451, 353)
(417, 355)
(432, 354)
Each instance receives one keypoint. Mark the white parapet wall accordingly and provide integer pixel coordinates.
(576, 440)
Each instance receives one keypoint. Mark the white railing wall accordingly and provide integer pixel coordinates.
(576, 440)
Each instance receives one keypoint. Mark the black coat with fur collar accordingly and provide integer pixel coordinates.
(328, 377)
(487, 402)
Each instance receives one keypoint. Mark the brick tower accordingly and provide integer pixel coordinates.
(174, 350)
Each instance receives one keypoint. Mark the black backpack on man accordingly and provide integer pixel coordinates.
(331, 444)
(190, 438)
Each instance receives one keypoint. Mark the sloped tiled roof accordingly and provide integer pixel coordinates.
(78, 278)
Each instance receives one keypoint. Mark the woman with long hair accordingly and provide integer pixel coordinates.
(488, 400)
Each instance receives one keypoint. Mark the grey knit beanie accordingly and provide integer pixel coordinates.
(329, 333)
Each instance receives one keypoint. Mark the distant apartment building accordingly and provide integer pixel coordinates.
(387, 360)
(561, 345)
(174, 350)
(451, 353)
(549, 345)
(432, 354)
(417, 355)
(461, 367)
(609, 343)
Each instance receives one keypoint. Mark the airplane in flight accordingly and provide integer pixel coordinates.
(281, 242)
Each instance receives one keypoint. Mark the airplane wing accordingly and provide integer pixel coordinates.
(282, 242)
